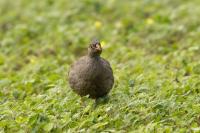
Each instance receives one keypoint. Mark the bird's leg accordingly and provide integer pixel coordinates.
(95, 103)
(83, 102)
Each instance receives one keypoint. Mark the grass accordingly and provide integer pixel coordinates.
(153, 47)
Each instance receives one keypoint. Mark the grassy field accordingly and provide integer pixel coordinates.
(152, 45)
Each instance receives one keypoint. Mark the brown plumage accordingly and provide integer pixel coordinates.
(91, 74)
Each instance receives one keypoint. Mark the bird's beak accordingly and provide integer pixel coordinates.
(98, 47)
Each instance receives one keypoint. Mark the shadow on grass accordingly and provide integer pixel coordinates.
(101, 101)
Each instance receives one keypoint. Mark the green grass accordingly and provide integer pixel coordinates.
(152, 45)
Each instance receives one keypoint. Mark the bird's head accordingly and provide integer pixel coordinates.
(94, 48)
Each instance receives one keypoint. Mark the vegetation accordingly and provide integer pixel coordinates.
(152, 45)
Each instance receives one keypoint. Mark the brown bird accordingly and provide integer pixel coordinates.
(91, 75)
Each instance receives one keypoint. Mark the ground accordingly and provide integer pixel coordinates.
(152, 45)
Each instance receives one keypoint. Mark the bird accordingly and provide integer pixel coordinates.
(91, 74)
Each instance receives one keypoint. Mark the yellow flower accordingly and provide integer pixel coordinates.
(149, 21)
(33, 59)
(118, 24)
(98, 24)
(103, 43)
